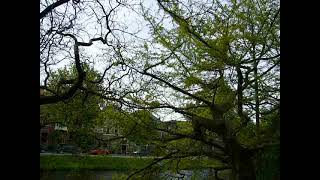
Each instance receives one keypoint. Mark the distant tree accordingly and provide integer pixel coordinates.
(137, 127)
(79, 114)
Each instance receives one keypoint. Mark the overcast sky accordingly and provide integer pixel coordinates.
(132, 22)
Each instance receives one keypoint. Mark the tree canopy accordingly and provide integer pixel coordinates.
(215, 63)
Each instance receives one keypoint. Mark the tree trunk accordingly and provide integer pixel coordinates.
(256, 94)
(242, 163)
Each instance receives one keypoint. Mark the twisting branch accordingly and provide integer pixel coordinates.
(175, 87)
(190, 136)
(51, 7)
(248, 61)
(168, 156)
(107, 16)
(102, 77)
(76, 85)
(261, 75)
(181, 21)
(178, 19)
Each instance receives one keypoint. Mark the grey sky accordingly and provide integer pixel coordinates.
(125, 19)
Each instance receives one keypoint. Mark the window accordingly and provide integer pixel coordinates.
(44, 137)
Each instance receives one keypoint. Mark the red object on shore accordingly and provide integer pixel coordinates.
(100, 152)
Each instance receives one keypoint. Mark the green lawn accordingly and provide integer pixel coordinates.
(91, 163)
(112, 163)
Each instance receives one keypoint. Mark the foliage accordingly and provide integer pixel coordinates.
(232, 45)
(79, 114)
(269, 163)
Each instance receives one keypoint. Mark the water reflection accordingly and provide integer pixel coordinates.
(77, 175)
(204, 174)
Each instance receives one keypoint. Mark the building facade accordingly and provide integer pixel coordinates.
(45, 133)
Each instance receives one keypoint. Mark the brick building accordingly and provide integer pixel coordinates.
(45, 133)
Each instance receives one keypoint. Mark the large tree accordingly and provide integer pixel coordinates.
(214, 62)
(219, 61)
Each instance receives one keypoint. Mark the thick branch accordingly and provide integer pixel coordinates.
(248, 61)
(75, 86)
(261, 75)
(51, 7)
(102, 77)
(176, 88)
(168, 156)
(178, 19)
(191, 136)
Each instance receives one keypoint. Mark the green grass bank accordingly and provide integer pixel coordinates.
(66, 162)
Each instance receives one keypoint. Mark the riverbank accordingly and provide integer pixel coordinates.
(56, 162)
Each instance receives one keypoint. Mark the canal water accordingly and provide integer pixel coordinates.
(114, 175)
(76, 175)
